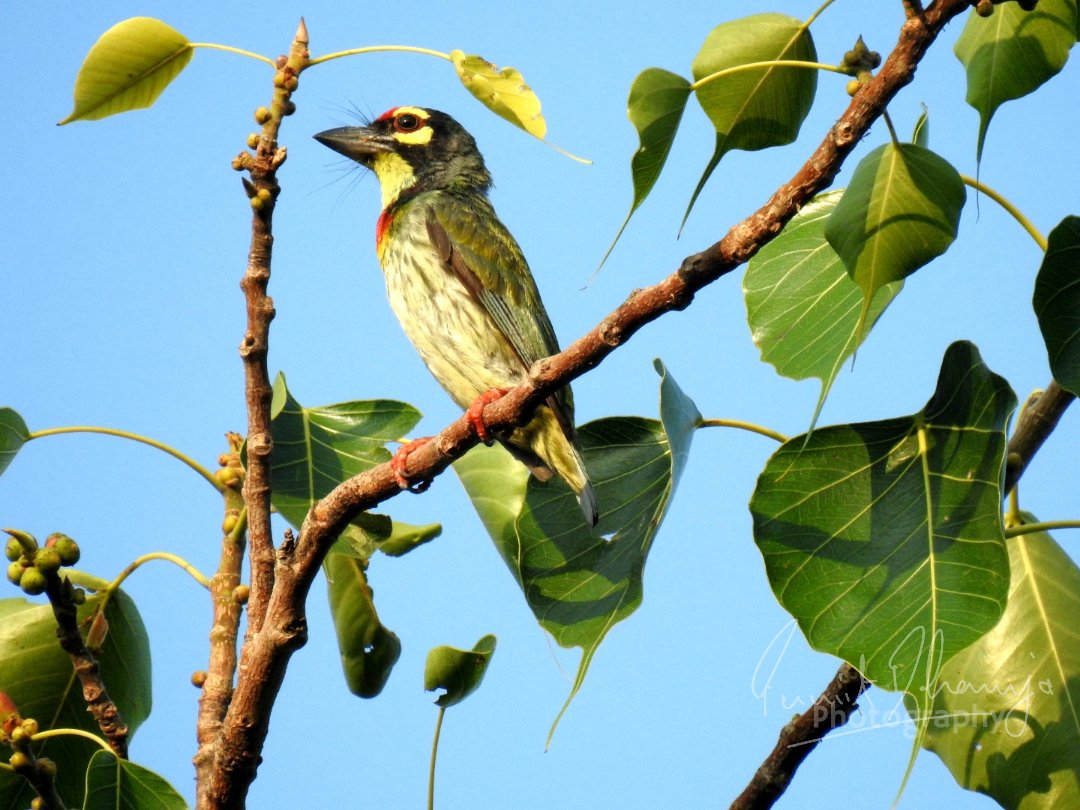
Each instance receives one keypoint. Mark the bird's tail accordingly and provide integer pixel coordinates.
(544, 448)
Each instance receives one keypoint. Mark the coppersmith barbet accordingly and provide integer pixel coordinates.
(458, 281)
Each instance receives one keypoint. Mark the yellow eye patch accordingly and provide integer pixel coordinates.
(409, 124)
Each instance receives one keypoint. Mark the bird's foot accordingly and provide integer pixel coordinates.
(476, 412)
(401, 460)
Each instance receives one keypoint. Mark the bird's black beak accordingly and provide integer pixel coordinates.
(358, 143)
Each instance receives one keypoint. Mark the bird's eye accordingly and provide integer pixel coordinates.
(407, 122)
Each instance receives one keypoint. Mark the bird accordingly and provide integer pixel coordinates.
(459, 284)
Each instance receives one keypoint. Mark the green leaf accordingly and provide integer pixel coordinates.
(504, 92)
(758, 108)
(128, 68)
(655, 108)
(802, 306)
(1057, 302)
(1006, 717)
(579, 584)
(113, 783)
(883, 539)
(1012, 52)
(368, 649)
(315, 449)
(459, 672)
(405, 537)
(901, 210)
(920, 136)
(53, 696)
(13, 435)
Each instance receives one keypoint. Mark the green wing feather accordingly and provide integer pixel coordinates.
(482, 253)
(480, 248)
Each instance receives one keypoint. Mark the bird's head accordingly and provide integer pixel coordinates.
(415, 149)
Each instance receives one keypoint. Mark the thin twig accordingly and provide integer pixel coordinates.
(268, 650)
(217, 683)
(98, 703)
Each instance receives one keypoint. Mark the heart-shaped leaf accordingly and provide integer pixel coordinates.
(1012, 52)
(1006, 715)
(315, 449)
(128, 68)
(579, 584)
(113, 783)
(801, 304)
(13, 435)
(901, 210)
(1057, 302)
(884, 539)
(760, 107)
(657, 101)
(459, 672)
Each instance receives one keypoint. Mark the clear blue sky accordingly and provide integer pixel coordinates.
(123, 244)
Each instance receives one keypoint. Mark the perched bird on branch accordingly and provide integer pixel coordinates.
(459, 284)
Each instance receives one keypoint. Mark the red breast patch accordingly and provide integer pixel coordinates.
(381, 228)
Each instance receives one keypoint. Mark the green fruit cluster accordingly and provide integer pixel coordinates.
(31, 565)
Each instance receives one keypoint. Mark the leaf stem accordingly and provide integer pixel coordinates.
(770, 63)
(892, 130)
(215, 46)
(123, 434)
(73, 732)
(1011, 209)
(159, 555)
(1045, 526)
(816, 14)
(375, 49)
(748, 426)
(434, 753)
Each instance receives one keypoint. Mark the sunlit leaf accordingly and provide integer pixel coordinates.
(503, 91)
(655, 107)
(901, 210)
(802, 306)
(13, 435)
(315, 449)
(368, 649)
(1006, 717)
(761, 107)
(579, 584)
(128, 68)
(884, 539)
(459, 672)
(52, 695)
(1012, 52)
(113, 783)
(1057, 302)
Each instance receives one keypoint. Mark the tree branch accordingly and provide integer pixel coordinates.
(271, 644)
(799, 737)
(214, 765)
(1037, 421)
(104, 711)
(217, 681)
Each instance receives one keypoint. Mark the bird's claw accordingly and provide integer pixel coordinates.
(400, 461)
(475, 413)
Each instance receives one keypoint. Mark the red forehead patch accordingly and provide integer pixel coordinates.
(386, 116)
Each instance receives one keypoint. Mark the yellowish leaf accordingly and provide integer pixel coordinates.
(503, 91)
